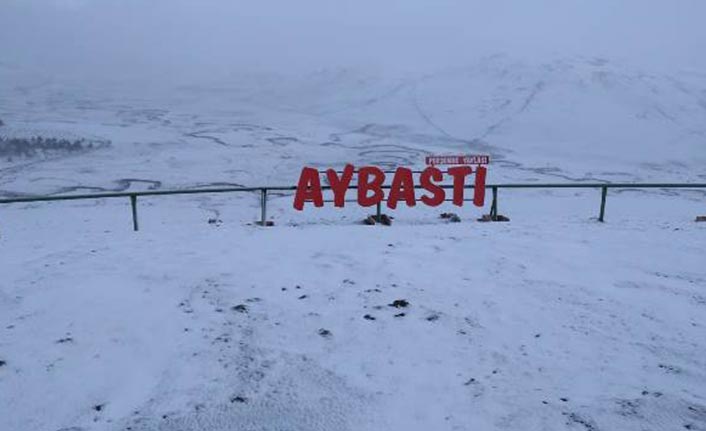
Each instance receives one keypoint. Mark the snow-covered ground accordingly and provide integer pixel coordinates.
(552, 321)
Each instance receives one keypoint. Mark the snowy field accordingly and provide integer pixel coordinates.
(204, 321)
(552, 321)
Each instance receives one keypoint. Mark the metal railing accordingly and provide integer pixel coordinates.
(263, 191)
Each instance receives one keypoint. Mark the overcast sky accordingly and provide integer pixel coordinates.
(191, 37)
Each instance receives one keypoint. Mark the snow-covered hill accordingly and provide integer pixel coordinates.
(577, 119)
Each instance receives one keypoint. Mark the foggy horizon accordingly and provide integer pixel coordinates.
(185, 40)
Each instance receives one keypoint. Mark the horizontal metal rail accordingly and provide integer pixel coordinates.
(265, 190)
(352, 186)
(140, 193)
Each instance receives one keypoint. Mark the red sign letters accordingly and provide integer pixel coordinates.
(371, 189)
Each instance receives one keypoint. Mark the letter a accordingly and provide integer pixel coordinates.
(402, 188)
(309, 189)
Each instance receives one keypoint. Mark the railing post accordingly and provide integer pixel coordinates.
(263, 207)
(133, 204)
(378, 214)
(494, 205)
(604, 194)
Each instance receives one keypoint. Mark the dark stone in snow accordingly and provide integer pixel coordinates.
(470, 381)
(670, 368)
(586, 423)
(400, 315)
(325, 332)
(368, 317)
(399, 303)
(488, 218)
(2, 363)
(238, 399)
(99, 407)
(452, 217)
(240, 308)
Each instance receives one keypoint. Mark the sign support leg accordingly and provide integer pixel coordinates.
(494, 205)
(133, 204)
(263, 207)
